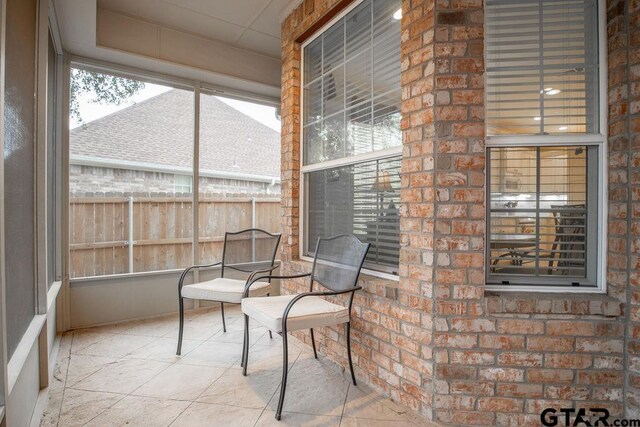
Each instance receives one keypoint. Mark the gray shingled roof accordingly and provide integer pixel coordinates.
(159, 131)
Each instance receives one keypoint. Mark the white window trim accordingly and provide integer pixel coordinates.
(599, 140)
(180, 182)
(329, 164)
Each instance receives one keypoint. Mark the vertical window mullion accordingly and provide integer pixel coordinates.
(538, 240)
(196, 176)
(541, 66)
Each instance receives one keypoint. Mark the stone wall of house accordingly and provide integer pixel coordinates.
(93, 180)
(437, 340)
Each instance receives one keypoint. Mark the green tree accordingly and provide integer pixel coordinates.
(103, 88)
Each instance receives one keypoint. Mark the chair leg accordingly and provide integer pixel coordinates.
(270, 334)
(224, 325)
(285, 367)
(181, 303)
(353, 376)
(245, 346)
(313, 343)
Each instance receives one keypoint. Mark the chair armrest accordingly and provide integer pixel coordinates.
(186, 271)
(256, 279)
(298, 297)
(264, 270)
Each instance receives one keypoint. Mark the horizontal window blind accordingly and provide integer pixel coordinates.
(541, 66)
(542, 219)
(351, 85)
(361, 199)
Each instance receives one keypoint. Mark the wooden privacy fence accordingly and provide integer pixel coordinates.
(114, 235)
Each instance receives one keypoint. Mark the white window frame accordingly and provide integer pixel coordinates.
(182, 182)
(330, 164)
(599, 140)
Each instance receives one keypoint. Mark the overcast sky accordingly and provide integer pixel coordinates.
(91, 111)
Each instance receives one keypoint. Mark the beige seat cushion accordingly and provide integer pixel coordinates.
(308, 312)
(225, 290)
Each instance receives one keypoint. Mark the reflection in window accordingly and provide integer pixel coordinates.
(542, 214)
(352, 85)
(542, 67)
(362, 199)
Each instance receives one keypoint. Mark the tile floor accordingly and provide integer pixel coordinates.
(128, 374)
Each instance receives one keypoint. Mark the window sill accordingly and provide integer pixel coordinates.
(380, 285)
(553, 303)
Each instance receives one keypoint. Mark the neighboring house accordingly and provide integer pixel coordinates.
(145, 150)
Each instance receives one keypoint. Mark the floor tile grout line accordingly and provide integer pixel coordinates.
(105, 409)
(170, 364)
(119, 359)
(64, 385)
(167, 367)
(276, 390)
(197, 397)
(344, 404)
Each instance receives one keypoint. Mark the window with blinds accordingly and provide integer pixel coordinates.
(361, 199)
(541, 67)
(352, 85)
(544, 143)
(351, 138)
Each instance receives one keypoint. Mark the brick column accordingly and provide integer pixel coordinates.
(623, 25)
(417, 211)
(458, 231)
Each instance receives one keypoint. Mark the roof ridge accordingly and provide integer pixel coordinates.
(135, 104)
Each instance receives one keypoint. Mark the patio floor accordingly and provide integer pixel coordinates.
(128, 374)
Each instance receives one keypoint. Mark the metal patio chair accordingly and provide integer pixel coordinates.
(251, 251)
(569, 241)
(336, 266)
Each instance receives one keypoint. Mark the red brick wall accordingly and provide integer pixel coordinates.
(437, 341)
(623, 24)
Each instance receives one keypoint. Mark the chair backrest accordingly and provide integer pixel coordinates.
(570, 234)
(249, 250)
(338, 261)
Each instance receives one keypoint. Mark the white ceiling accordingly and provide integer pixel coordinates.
(247, 30)
(246, 24)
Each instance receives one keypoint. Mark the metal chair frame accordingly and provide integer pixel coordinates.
(283, 333)
(223, 264)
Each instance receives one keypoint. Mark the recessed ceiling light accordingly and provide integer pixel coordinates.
(563, 128)
(537, 119)
(553, 92)
(397, 14)
(547, 89)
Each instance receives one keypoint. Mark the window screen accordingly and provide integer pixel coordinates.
(53, 183)
(351, 107)
(19, 169)
(542, 67)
